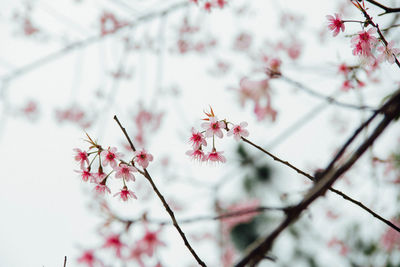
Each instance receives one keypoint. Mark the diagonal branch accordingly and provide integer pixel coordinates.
(387, 9)
(391, 110)
(164, 202)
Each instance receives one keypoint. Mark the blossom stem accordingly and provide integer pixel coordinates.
(164, 202)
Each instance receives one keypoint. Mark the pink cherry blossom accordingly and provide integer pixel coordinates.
(124, 171)
(89, 259)
(150, 241)
(216, 156)
(346, 86)
(197, 139)
(125, 194)
(142, 158)
(388, 53)
(363, 42)
(213, 127)
(238, 131)
(220, 3)
(335, 23)
(85, 174)
(114, 242)
(110, 156)
(82, 157)
(102, 189)
(196, 154)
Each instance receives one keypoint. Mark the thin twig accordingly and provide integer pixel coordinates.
(257, 251)
(328, 99)
(65, 261)
(164, 202)
(340, 193)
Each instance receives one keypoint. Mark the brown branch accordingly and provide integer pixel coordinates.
(382, 37)
(387, 9)
(164, 202)
(65, 261)
(391, 110)
(340, 193)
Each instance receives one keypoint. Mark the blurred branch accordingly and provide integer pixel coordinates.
(164, 202)
(391, 110)
(328, 99)
(83, 43)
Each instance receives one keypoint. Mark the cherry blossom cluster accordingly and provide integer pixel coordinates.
(208, 5)
(365, 42)
(213, 128)
(141, 249)
(110, 157)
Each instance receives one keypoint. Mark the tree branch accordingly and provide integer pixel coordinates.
(387, 9)
(391, 110)
(164, 202)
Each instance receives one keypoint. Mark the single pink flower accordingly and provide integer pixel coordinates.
(208, 6)
(85, 174)
(197, 139)
(220, 3)
(125, 194)
(335, 24)
(344, 69)
(364, 42)
(142, 158)
(114, 242)
(213, 127)
(82, 157)
(238, 131)
(388, 53)
(124, 171)
(89, 259)
(346, 86)
(196, 154)
(102, 189)
(216, 156)
(110, 156)
(150, 241)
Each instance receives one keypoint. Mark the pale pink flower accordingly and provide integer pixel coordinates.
(125, 194)
(150, 241)
(248, 205)
(238, 131)
(82, 157)
(196, 154)
(110, 156)
(85, 174)
(114, 242)
(137, 254)
(89, 259)
(220, 3)
(216, 156)
(102, 189)
(346, 86)
(142, 158)
(335, 24)
(213, 127)
(388, 53)
(391, 238)
(344, 69)
(364, 42)
(197, 139)
(124, 171)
